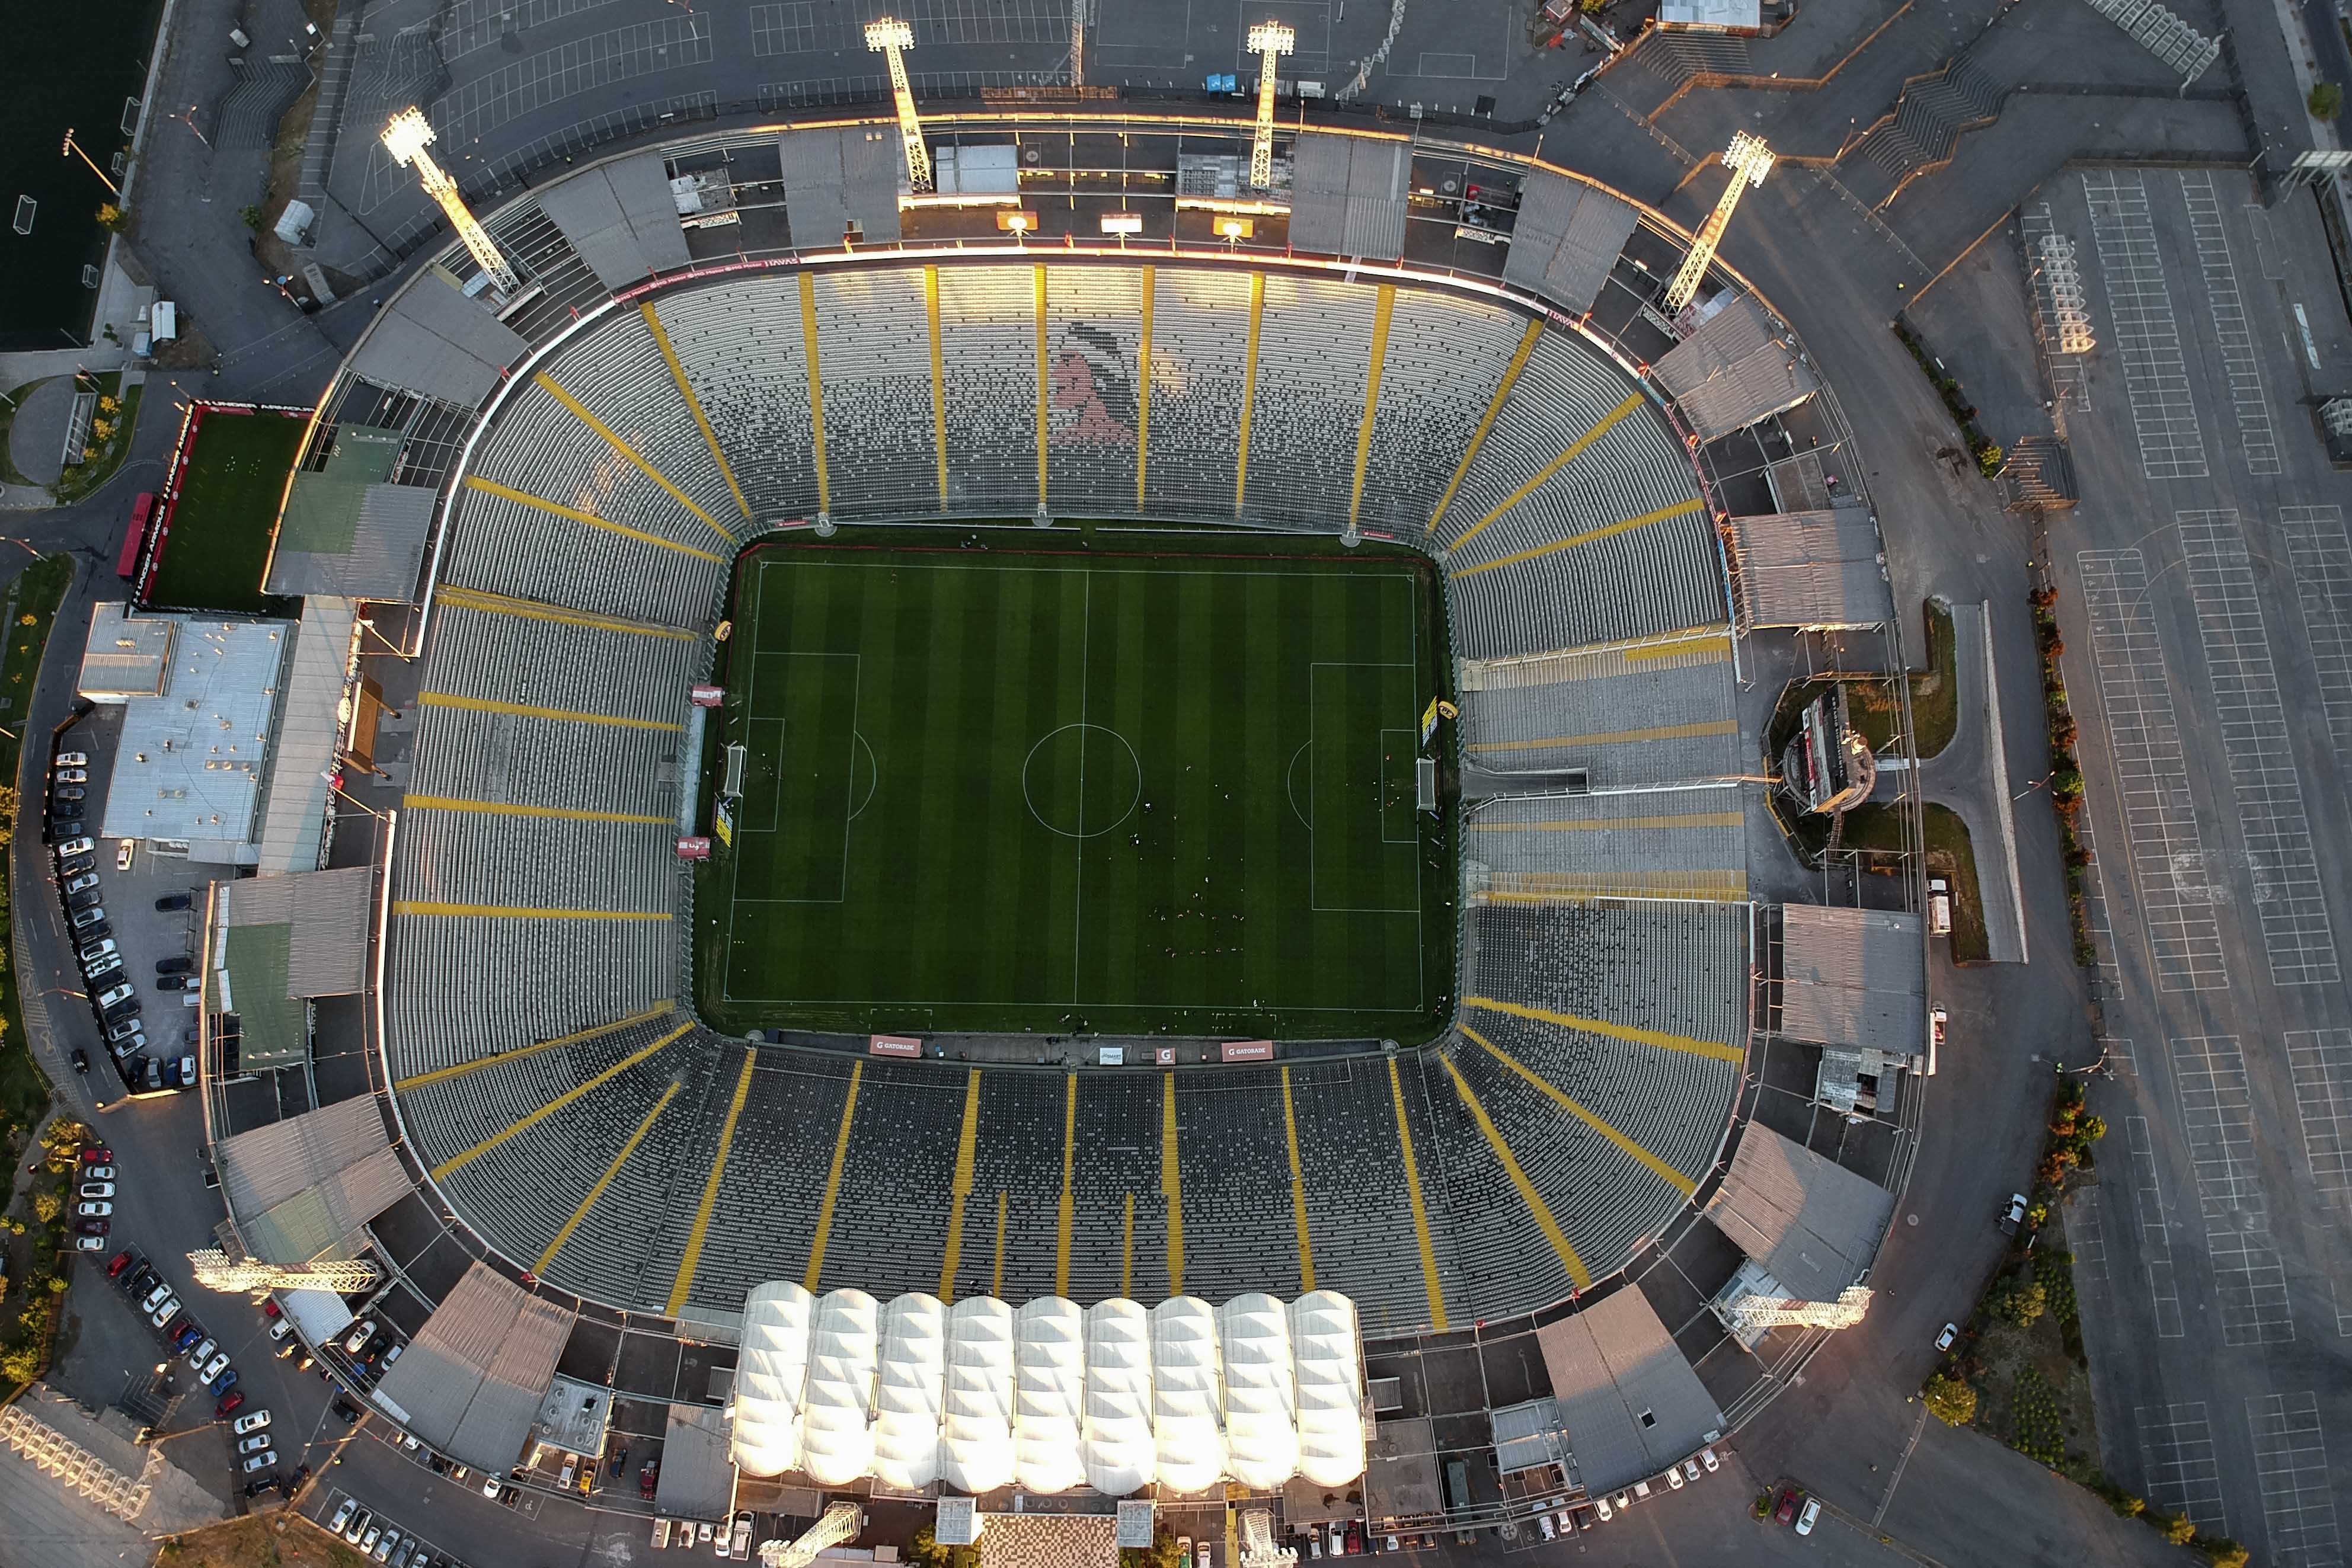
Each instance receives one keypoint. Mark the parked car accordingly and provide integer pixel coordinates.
(2014, 1214)
(94, 1242)
(258, 1443)
(253, 1423)
(1706, 1456)
(224, 1383)
(98, 1173)
(138, 1282)
(92, 950)
(178, 964)
(1674, 1476)
(184, 1333)
(68, 792)
(374, 1533)
(72, 759)
(170, 901)
(1944, 1341)
(97, 1210)
(69, 847)
(107, 1000)
(93, 1227)
(97, 1154)
(280, 1329)
(175, 982)
(356, 1531)
(228, 1406)
(80, 1060)
(162, 1314)
(1785, 1511)
(84, 882)
(76, 774)
(1690, 1469)
(97, 1189)
(202, 1350)
(97, 970)
(360, 1336)
(343, 1513)
(1812, 1512)
(86, 921)
(120, 1262)
(122, 1029)
(1602, 1506)
(382, 1552)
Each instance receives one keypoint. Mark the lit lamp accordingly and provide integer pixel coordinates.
(406, 138)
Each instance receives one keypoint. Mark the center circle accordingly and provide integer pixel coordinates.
(1081, 780)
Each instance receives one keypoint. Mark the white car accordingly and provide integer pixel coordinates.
(1674, 1476)
(256, 1444)
(359, 1336)
(98, 1172)
(281, 1328)
(202, 1351)
(350, 1506)
(357, 1528)
(1706, 1456)
(97, 1189)
(1690, 1469)
(1544, 1524)
(214, 1367)
(164, 1312)
(72, 847)
(73, 759)
(77, 774)
(491, 1485)
(374, 1533)
(1812, 1512)
(1944, 1341)
(384, 1548)
(1600, 1506)
(94, 1210)
(147, 1304)
(255, 1423)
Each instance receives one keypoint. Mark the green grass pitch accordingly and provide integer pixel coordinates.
(1124, 782)
(235, 476)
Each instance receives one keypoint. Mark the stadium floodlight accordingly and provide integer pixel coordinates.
(405, 137)
(1749, 161)
(1269, 41)
(216, 1271)
(892, 37)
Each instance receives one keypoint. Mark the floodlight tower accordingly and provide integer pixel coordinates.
(406, 138)
(1749, 161)
(1269, 41)
(892, 37)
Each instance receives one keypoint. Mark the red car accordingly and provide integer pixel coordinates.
(269, 1308)
(98, 1155)
(230, 1404)
(119, 1263)
(647, 1477)
(1786, 1510)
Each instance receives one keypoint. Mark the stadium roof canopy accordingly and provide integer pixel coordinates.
(1733, 369)
(435, 340)
(841, 176)
(301, 1186)
(1812, 1222)
(1566, 239)
(1810, 568)
(471, 1381)
(309, 731)
(199, 697)
(621, 219)
(347, 529)
(1050, 1396)
(1348, 194)
(1627, 1394)
(1853, 977)
(290, 939)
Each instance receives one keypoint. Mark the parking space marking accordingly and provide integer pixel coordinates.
(2166, 855)
(2291, 1461)
(2258, 440)
(2146, 335)
(2184, 1476)
(788, 29)
(2320, 1062)
(2321, 558)
(2217, 1118)
(2290, 900)
(2087, 1235)
(2155, 1232)
(992, 22)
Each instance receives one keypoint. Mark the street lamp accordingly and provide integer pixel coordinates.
(72, 149)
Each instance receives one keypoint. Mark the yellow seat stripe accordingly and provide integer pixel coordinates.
(833, 1182)
(558, 510)
(443, 1074)
(580, 412)
(1658, 1037)
(1419, 1210)
(524, 710)
(1590, 536)
(562, 1101)
(1656, 1166)
(692, 1257)
(694, 406)
(1576, 1272)
(508, 809)
(1576, 449)
(967, 1156)
(1493, 406)
(604, 1181)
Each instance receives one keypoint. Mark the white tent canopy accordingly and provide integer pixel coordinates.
(1120, 1456)
(1050, 1376)
(976, 1426)
(1330, 1375)
(771, 1374)
(838, 1411)
(1049, 1397)
(1260, 1392)
(1187, 1401)
(908, 1403)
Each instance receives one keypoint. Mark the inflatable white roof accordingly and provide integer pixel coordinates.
(1051, 1396)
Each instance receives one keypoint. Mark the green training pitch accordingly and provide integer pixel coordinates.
(1130, 783)
(219, 548)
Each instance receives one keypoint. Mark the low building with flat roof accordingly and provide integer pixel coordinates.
(199, 695)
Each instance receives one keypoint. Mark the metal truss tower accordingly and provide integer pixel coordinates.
(1749, 161)
(1269, 41)
(892, 38)
(406, 138)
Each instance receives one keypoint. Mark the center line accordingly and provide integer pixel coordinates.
(1079, 896)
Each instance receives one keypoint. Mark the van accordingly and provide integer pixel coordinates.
(661, 1533)
(1939, 907)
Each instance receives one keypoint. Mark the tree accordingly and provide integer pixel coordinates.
(1950, 1400)
(2327, 101)
(252, 217)
(2022, 1303)
(112, 218)
(46, 1207)
(2180, 1530)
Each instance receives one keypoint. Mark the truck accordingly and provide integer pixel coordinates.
(1939, 907)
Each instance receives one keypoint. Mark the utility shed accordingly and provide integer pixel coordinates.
(1813, 1224)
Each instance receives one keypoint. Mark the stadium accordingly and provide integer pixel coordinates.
(938, 764)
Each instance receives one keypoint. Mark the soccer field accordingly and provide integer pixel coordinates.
(1146, 783)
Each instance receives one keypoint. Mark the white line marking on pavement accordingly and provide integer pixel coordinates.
(2155, 1232)
(2256, 437)
(2176, 1445)
(2216, 1117)
(2147, 337)
(2291, 1461)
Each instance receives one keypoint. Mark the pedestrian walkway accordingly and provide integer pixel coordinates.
(37, 436)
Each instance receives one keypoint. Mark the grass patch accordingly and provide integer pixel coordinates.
(1124, 783)
(1870, 704)
(32, 601)
(278, 1540)
(1950, 856)
(236, 470)
(109, 441)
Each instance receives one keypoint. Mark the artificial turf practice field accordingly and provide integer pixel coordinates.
(1134, 783)
(229, 491)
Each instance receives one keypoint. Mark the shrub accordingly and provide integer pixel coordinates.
(2179, 1529)
(2222, 1551)
(2327, 101)
(1948, 1400)
(46, 1207)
